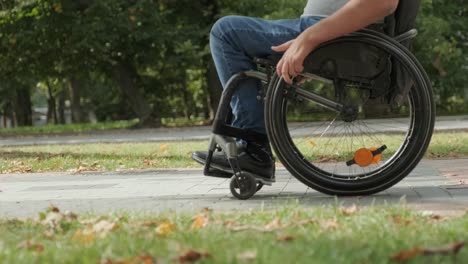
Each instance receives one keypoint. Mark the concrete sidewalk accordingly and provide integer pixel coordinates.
(436, 185)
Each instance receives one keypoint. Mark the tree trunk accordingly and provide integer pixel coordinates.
(127, 78)
(61, 108)
(51, 108)
(10, 114)
(75, 98)
(186, 98)
(23, 108)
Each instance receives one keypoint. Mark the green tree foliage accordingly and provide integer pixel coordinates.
(147, 58)
(442, 48)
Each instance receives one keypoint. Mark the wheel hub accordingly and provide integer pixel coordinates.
(349, 113)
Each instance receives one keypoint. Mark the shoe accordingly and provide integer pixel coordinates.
(253, 158)
(219, 160)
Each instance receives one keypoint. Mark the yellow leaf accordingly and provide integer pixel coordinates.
(349, 210)
(165, 229)
(163, 148)
(312, 144)
(200, 221)
(84, 236)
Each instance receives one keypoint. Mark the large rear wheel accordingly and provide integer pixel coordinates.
(367, 147)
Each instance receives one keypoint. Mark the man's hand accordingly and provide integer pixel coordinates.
(356, 14)
(295, 52)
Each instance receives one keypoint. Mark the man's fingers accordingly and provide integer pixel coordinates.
(282, 47)
(299, 68)
(285, 73)
(279, 67)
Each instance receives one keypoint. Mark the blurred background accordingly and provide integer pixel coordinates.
(71, 64)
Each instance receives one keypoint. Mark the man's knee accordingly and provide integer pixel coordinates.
(225, 24)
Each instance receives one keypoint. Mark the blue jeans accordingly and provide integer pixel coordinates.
(234, 42)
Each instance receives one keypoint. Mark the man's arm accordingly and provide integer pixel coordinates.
(355, 15)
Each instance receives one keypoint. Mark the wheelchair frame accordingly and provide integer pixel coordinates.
(224, 135)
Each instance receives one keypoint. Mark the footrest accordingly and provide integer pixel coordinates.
(262, 180)
(218, 174)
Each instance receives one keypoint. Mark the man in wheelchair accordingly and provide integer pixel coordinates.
(235, 41)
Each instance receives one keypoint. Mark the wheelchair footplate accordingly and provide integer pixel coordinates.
(243, 184)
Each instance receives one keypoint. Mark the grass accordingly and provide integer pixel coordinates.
(127, 156)
(286, 235)
(102, 126)
(68, 128)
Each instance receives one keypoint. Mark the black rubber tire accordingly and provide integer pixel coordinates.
(259, 186)
(243, 187)
(417, 138)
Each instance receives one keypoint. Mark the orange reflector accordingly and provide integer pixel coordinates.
(377, 158)
(363, 157)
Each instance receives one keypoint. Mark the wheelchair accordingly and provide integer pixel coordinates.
(356, 121)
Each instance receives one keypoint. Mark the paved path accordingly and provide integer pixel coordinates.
(197, 133)
(434, 185)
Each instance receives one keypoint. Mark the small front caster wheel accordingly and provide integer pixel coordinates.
(243, 186)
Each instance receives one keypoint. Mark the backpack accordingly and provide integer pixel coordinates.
(371, 68)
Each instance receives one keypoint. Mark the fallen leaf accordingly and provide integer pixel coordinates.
(164, 229)
(248, 255)
(99, 229)
(103, 227)
(285, 238)
(49, 234)
(153, 223)
(312, 144)
(84, 236)
(407, 254)
(31, 245)
(207, 210)
(53, 220)
(445, 250)
(274, 224)
(349, 210)
(145, 259)
(330, 224)
(229, 222)
(70, 216)
(400, 221)
(148, 162)
(163, 148)
(192, 256)
(324, 159)
(297, 215)
(54, 209)
(19, 167)
(199, 221)
(412, 253)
